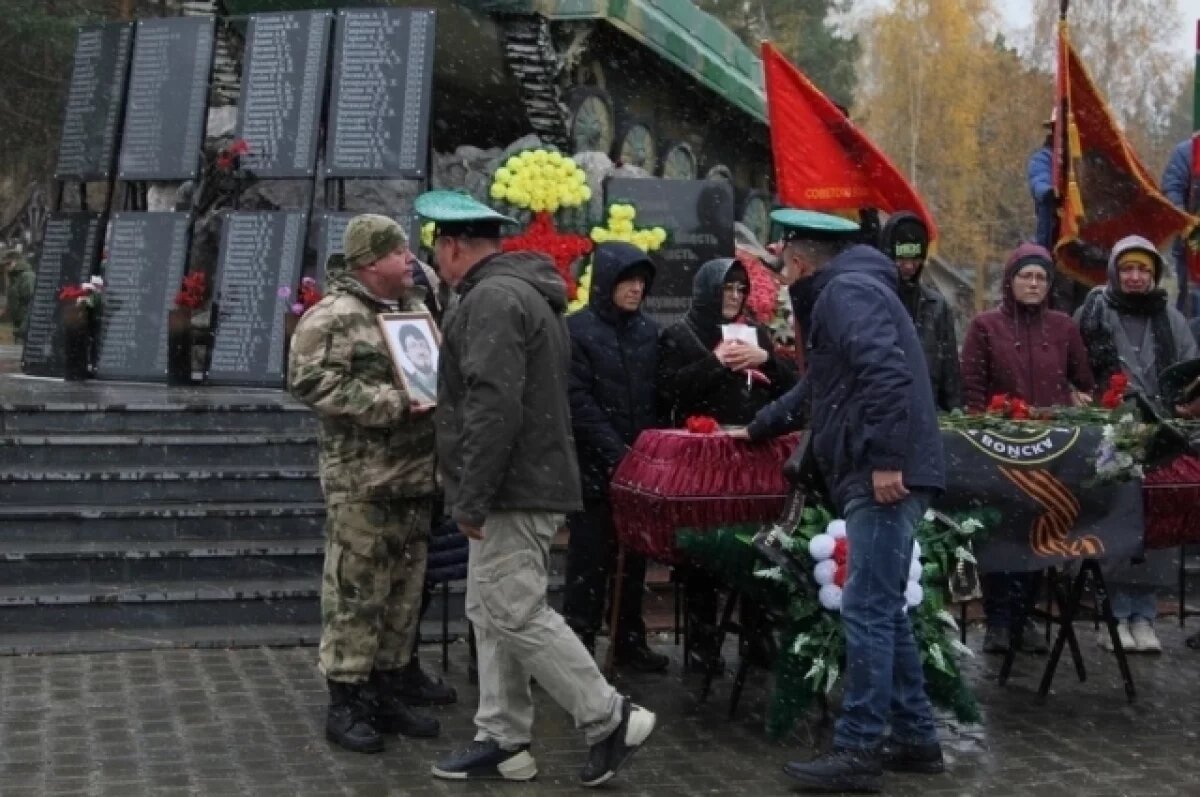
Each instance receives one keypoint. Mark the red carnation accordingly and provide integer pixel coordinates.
(841, 549)
(1019, 410)
(1118, 382)
(999, 403)
(1112, 399)
(701, 424)
(839, 575)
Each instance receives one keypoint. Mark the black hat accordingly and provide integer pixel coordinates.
(904, 236)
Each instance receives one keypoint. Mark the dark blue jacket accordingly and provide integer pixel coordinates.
(1177, 187)
(867, 385)
(1041, 185)
(613, 359)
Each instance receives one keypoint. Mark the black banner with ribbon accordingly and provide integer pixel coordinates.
(1043, 484)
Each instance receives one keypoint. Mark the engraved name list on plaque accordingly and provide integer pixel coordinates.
(283, 86)
(89, 133)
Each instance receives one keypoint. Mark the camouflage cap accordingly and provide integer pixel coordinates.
(370, 237)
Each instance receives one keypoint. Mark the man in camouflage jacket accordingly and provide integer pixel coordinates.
(377, 473)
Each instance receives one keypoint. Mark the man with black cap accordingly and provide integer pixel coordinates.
(508, 464)
(876, 441)
(905, 239)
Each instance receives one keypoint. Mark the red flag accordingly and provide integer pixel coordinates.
(1105, 192)
(822, 161)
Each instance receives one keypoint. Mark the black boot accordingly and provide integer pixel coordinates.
(392, 714)
(348, 722)
(418, 688)
(839, 770)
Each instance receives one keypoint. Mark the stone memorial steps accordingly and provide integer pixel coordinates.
(160, 604)
(106, 640)
(66, 451)
(130, 524)
(159, 485)
(81, 418)
(45, 566)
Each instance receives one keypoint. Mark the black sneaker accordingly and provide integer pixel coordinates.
(924, 759)
(638, 656)
(839, 770)
(349, 722)
(608, 756)
(487, 760)
(995, 639)
(419, 688)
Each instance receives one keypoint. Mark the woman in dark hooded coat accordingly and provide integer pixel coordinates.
(699, 373)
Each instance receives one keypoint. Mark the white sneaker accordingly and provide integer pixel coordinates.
(1104, 639)
(1144, 638)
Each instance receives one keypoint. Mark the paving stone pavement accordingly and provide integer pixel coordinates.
(250, 722)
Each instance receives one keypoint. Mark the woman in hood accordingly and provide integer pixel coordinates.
(1024, 350)
(702, 373)
(1130, 327)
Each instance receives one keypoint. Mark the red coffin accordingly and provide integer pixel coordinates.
(1171, 496)
(673, 479)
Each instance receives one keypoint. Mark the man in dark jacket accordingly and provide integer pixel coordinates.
(906, 240)
(508, 464)
(614, 351)
(876, 443)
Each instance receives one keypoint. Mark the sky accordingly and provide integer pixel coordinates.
(1018, 15)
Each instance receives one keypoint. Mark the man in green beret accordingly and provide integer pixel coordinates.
(508, 463)
(377, 473)
(875, 438)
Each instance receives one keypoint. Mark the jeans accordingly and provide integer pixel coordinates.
(884, 679)
(1133, 603)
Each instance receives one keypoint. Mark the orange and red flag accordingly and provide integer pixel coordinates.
(1104, 191)
(822, 161)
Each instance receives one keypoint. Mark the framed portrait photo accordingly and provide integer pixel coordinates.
(414, 342)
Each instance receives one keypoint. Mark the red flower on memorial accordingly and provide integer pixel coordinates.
(563, 248)
(701, 424)
(192, 294)
(1115, 394)
(1018, 410)
(228, 159)
(998, 403)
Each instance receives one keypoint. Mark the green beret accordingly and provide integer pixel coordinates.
(456, 213)
(813, 226)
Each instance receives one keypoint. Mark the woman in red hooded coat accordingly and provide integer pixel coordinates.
(1025, 350)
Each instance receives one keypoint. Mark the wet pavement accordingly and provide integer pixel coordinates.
(249, 722)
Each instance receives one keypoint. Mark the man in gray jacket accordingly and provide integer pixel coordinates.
(508, 463)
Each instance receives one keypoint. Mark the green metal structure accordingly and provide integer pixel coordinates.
(654, 83)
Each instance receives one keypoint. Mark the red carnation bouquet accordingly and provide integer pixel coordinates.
(1012, 407)
(85, 294)
(308, 296)
(701, 424)
(1115, 394)
(193, 291)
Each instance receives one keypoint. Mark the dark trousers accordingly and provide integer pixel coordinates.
(591, 559)
(1003, 595)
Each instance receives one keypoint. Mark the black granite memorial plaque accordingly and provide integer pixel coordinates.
(165, 110)
(89, 134)
(147, 255)
(382, 85)
(283, 86)
(70, 247)
(258, 272)
(698, 218)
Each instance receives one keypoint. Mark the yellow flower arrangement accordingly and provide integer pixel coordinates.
(621, 228)
(583, 289)
(541, 181)
(427, 234)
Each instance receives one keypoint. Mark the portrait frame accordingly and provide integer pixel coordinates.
(399, 330)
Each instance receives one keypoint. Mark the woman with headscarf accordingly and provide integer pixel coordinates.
(702, 373)
(1130, 327)
(1025, 350)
